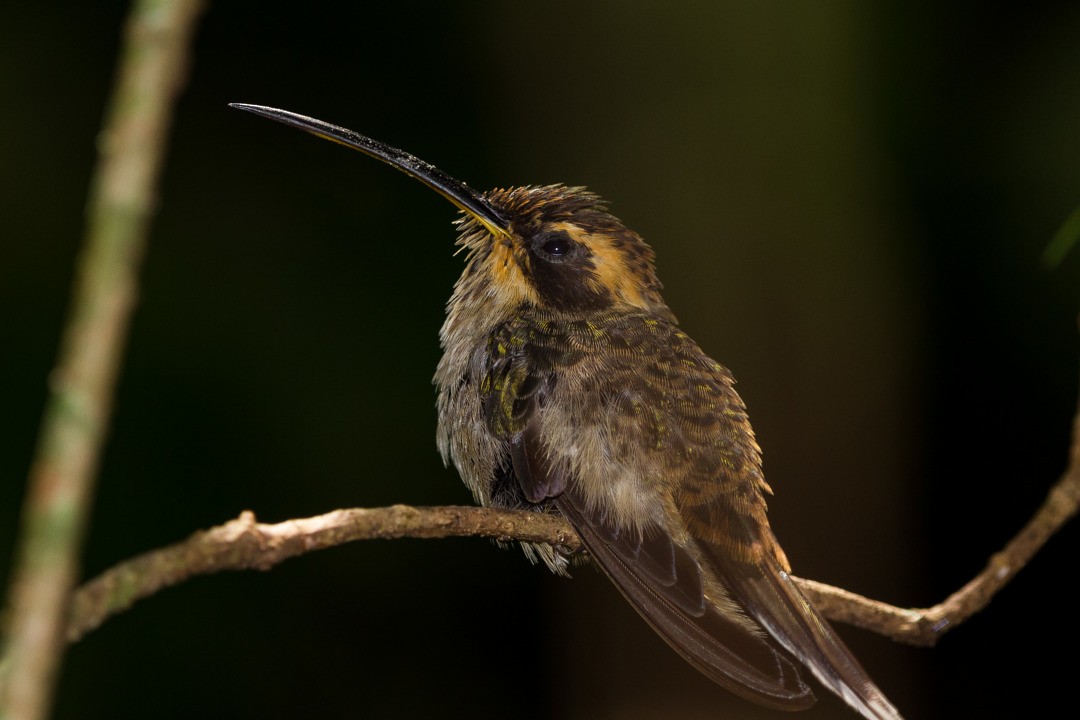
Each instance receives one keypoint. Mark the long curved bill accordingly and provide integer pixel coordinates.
(457, 192)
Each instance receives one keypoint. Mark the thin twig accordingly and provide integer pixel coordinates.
(81, 386)
(245, 544)
(926, 626)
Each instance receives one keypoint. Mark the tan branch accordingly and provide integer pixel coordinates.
(245, 544)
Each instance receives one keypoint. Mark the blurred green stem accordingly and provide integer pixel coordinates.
(1063, 241)
(122, 195)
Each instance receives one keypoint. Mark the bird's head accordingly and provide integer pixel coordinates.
(552, 247)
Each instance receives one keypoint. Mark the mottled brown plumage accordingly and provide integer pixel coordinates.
(566, 387)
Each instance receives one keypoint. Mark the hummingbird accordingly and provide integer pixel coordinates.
(567, 387)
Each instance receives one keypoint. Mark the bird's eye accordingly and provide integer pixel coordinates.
(555, 245)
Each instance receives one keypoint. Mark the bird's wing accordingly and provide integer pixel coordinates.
(663, 583)
(762, 587)
(719, 498)
(661, 579)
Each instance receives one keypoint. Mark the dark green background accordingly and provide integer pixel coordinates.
(848, 202)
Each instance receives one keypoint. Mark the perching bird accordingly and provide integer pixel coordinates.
(567, 387)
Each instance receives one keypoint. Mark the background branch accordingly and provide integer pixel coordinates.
(61, 482)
